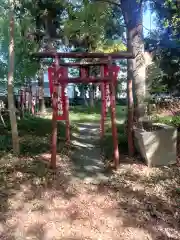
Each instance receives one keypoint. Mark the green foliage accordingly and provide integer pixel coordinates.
(34, 137)
(107, 142)
(5, 142)
(93, 25)
(166, 46)
(170, 120)
(25, 67)
(85, 19)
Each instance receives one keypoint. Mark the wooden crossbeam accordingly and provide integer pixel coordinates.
(83, 80)
(119, 55)
(89, 64)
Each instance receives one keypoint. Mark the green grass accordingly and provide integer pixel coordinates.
(169, 120)
(82, 113)
(107, 142)
(87, 114)
(35, 132)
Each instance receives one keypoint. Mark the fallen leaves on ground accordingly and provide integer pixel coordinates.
(37, 203)
(136, 203)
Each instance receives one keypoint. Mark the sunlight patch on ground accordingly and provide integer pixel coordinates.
(133, 203)
(37, 204)
(85, 145)
(80, 116)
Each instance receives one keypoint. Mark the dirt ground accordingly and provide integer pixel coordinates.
(135, 203)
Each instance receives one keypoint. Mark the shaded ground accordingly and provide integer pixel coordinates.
(87, 158)
(134, 203)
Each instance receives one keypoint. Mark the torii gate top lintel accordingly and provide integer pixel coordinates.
(58, 78)
(118, 55)
(107, 60)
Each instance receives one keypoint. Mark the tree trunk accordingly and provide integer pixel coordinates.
(132, 12)
(42, 107)
(83, 94)
(91, 95)
(11, 105)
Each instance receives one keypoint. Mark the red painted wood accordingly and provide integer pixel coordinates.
(58, 76)
(88, 64)
(115, 70)
(62, 101)
(82, 80)
(83, 73)
(52, 76)
(119, 55)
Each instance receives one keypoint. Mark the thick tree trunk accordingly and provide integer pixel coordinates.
(130, 108)
(132, 11)
(11, 105)
(42, 107)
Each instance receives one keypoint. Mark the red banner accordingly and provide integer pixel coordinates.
(59, 89)
(115, 69)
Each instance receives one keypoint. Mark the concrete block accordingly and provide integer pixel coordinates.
(157, 144)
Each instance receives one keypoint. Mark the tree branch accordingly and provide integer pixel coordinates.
(119, 5)
(110, 2)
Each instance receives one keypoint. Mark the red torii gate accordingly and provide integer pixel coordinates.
(58, 80)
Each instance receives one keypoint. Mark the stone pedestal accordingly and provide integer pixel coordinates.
(157, 144)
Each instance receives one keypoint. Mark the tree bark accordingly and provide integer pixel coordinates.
(83, 94)
(132, 12)
(11, 105)
(91, 95)
(42, 107)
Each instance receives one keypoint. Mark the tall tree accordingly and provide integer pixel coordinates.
(47, 19)
(93, 27)
(133, 12)
(25, 68)
(165, 45)
(12, 112)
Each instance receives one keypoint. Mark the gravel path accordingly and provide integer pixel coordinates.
(87, 157)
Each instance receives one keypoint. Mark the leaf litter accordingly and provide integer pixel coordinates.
(39, 204)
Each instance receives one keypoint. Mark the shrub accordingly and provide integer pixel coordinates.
(173, 121)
